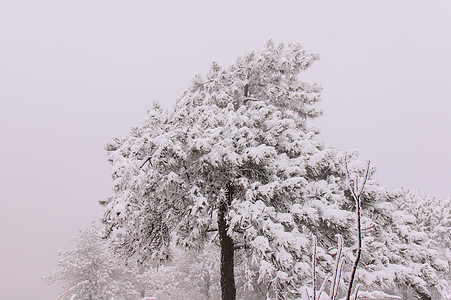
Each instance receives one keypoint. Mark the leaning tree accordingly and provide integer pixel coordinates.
(236, 162)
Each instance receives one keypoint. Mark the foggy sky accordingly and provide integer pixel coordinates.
(74, 74)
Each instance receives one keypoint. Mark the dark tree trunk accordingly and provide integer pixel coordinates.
(228, 290)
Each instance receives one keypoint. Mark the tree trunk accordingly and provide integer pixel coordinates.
(228, 290)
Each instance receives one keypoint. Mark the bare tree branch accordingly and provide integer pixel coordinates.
(356, 192)
(71, 289)
(145, 161)
(314, 267)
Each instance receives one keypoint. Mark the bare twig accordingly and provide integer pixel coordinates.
(314, 267)
(357, 292)
(369, 227)
(71, 289)
(338, 267)
(145, 161)
(321, 289)
(356, 192)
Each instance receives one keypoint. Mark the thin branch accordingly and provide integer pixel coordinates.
(208, 81)
(71, 289)
(370, 227)
(321, 289)
(147, 160)
(357, 292)
(340, 269)
(356, 193)
(250, 99)
(314, 267)
(338, 264)
(308, 295)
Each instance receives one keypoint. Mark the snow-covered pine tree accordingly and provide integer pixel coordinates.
(236, 158)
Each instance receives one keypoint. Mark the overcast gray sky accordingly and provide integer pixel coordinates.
(74, 74)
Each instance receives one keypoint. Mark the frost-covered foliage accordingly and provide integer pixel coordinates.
(430, 218)
(189, 275)
(244, 129)
(93, 271)
(92, 264)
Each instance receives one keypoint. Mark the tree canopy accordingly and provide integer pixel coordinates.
(236, 156)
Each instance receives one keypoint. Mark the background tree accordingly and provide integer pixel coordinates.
(236, 156)
(104, 275)
(92, 262)
(189, 275)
